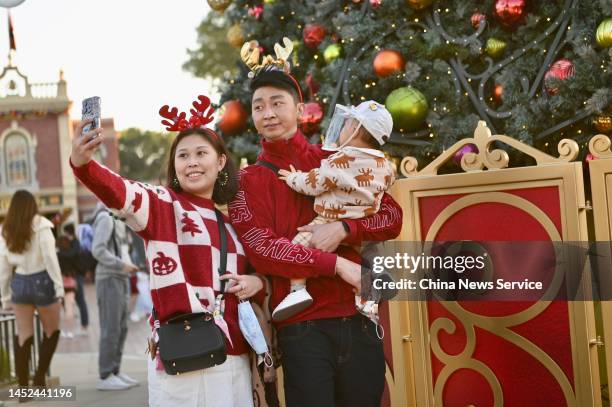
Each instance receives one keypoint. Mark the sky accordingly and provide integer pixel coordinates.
(128, 52)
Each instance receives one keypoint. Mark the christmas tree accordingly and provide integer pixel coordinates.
(536, 71)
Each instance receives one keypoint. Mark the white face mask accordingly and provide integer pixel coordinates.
(249, 326)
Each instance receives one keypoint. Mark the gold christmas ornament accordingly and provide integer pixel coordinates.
(495, 48)
(234, 36)
(603, 123)
(604, 33)
(419, 4)
(219, 5)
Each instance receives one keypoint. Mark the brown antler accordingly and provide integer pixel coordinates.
(176, 120)
(199, 116)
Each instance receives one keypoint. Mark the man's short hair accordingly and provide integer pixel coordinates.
(276, 79)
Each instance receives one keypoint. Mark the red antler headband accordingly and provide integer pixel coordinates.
(201, 115)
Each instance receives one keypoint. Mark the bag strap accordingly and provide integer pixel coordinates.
(269, 165)
(223, 239)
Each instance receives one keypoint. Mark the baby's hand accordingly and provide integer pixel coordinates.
(283, 174)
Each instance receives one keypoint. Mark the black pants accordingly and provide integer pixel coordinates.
(332, 362)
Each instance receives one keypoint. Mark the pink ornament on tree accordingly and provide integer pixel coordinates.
(561, 69)
(375, 3)
(468, 148)
(256, 11)
(477, 18)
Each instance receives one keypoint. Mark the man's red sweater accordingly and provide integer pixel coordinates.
(266, 214)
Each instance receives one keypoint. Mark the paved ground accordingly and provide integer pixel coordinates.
(76, 364)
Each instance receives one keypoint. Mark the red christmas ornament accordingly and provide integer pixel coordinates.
(256, 11)
(313, 86)
(508, 12)
(387, 62)
(375, 3)
(233, 117)
(477, 18)
(561, 69)
(311, 118)
(313, 35)
(498, 92)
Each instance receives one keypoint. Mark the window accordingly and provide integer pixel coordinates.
(17, 161)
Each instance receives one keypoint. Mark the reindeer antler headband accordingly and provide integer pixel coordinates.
(270, 70)
(201, 115)
(250, 55)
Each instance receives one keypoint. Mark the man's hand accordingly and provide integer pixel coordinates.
(129, 268)
(349, 272)
(283, 174)
(326, 237)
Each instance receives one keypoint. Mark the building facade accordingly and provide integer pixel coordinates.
(35, 142)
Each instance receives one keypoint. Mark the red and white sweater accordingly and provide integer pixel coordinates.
(182, 243)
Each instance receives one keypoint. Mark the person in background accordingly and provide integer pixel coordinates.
(81, 265)
(30, 279)
(144, 303)
(112, 291)
(68, 256)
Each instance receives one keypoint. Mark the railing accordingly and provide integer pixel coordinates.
(48, 90)
(7, 340)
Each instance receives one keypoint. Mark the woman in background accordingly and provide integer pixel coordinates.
(27, 246)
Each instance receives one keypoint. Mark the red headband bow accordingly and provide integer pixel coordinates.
(199, 116)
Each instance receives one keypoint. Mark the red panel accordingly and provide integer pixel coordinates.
(524, 381)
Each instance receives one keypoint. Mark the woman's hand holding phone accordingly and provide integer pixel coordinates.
(85, 145)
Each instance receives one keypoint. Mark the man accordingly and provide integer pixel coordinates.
(112, 290)
(331, 355)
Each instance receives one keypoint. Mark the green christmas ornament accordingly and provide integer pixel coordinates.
(269, 1)
(604, 33)
(408, 107)
(332, 52)
(495, 48)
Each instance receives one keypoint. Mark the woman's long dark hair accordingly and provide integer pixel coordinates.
(17, 226)
(221, 195)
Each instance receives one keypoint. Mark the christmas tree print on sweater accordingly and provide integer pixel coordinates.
(189, 226)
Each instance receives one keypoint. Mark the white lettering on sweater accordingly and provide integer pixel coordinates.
(238, 208)
(380, 221)
(277, 249)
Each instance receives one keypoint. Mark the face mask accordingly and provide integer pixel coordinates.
(249, 326)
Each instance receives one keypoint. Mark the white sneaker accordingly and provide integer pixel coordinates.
(112, 382)
(67, 334)
(294, 302)
(128, 380)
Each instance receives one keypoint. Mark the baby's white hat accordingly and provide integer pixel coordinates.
(375, 118)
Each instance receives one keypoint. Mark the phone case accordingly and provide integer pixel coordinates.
(91, 110)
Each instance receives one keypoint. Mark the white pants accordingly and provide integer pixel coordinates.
(225, 385)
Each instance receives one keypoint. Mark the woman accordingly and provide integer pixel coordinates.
(179, 227)
(27, 246)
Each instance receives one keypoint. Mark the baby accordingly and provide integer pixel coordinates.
(348, 184)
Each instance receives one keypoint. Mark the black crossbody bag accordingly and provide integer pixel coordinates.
(193, 341)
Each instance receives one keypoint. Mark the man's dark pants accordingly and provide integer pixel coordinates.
(332, 362)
